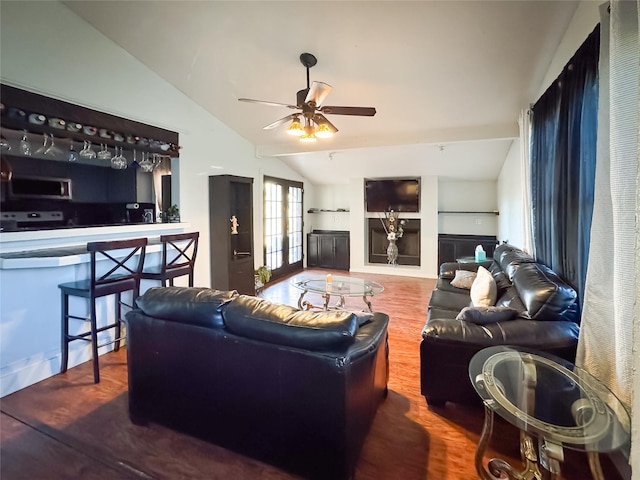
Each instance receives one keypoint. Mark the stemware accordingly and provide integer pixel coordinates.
(104, 153)
(53, 151)
(134, 163)
(4, 144)
(45, 145)
(25, 146)
(87, 151)
(146, 165)
(72, 155)
(119, 162)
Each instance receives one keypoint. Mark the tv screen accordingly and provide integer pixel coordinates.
(401, 195)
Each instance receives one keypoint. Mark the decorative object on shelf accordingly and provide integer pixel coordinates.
(25, 146)
(173, 214)
(72, 155)
(234, 225)
(262, 277)
(393, 227)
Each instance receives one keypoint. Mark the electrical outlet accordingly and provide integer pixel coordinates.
(478, 221)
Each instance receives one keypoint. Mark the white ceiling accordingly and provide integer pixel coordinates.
(448, 78)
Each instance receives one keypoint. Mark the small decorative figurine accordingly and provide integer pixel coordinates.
(234, 225)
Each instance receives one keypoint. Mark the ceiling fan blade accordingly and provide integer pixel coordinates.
(318, 118)
(360, 111)
(318, 92)
(277, 123)
(273, 104)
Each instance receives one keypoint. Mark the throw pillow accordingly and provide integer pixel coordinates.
(484, 290)
(463, 279)
(484, 315)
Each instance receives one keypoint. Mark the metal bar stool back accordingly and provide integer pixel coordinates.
(178, 258)
(122, 262)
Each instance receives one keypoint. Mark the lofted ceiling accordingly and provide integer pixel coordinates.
(447, 78)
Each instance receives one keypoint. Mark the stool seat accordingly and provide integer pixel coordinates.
(178, 258)
(122, 262)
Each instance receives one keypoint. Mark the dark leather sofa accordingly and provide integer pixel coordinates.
(296, 389)
(546, 320)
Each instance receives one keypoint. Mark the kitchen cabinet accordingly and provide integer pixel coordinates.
(328, 249)
(231, 233)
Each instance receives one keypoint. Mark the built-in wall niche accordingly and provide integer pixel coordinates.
(408, 245)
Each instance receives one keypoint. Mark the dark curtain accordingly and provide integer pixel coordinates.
(564, 128)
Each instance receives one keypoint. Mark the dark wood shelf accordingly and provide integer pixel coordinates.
(493, 212)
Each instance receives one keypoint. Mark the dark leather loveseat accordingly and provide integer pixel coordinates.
(545, 318)
(296, 389)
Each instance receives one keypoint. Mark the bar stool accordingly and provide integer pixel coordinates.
(178, 258)
(123, 275)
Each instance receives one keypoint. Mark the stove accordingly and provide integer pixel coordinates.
(32, 220)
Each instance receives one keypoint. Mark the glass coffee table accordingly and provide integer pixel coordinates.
(336, 286)
(554, 404)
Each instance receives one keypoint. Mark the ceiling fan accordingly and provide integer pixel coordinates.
(309, 103)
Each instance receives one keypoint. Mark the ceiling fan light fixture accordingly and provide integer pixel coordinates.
(308, 137)
(323, 131)
(295, 129)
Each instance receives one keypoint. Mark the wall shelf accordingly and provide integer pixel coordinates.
(494, 212)
(339, 210)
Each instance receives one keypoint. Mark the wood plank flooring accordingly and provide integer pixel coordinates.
(66, 427)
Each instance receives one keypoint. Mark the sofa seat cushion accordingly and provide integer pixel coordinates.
(450, 300)
(192, 305)
(485, 315)
(262, 320)
(524, 333)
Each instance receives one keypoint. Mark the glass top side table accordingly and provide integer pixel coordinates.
(335, 285)
(551, 400)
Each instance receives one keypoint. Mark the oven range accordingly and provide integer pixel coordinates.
(31, 220)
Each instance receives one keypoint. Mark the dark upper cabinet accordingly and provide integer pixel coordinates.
(328, 250)
(231, 233)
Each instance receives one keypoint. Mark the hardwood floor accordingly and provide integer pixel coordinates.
(66, 427)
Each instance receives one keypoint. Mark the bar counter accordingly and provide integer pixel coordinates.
(32, 265)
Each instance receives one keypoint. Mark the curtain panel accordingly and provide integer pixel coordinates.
(563, 158)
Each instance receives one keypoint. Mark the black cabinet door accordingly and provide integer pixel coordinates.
(326, 251)
(341, 248)
(312, 250)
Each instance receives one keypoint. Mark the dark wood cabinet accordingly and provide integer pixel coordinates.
(231, 233)
(452, 247)
(328, 249)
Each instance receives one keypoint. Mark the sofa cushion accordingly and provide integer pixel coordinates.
(196, 306)
(544, 294)
(450, 300)
(484, 290)
(510, 258)
(463, 279)
(485, 315)
(262, 320)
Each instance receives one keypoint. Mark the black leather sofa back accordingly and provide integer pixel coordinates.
(196, 364)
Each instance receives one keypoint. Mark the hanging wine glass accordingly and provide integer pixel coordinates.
(44, 147)
(72, 155)
(87, 151)
(134, 163)
(104, 153)
(53, 151)
(146, 165)
(4, 144)
(25, 146)
(119, 162)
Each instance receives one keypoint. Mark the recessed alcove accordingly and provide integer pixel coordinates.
(408, 244)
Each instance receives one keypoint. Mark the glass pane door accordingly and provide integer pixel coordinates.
(282, 226)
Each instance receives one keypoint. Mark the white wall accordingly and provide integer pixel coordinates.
(467, 196)
(48, 49)
(510, 199)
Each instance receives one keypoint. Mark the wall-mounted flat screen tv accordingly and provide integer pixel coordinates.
(399, 194)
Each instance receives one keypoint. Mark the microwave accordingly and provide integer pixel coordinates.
(40, 187)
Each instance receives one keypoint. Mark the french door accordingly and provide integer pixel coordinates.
(282, 226)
